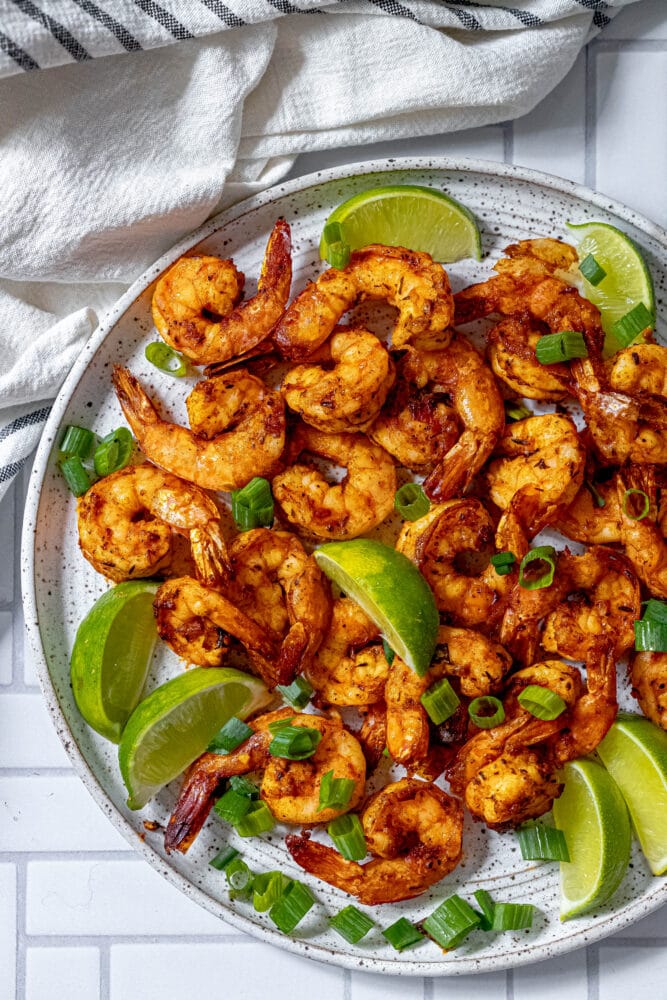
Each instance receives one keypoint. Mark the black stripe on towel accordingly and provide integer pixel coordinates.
(127, 40)
(16, 53)
(600, 20)
(466, 19)
(164, 18)
(59, 31)
(8, 472)
(27, 420)
(222, 11)
(524, 16)
(594, 4)
(393, 7)
(284, 6)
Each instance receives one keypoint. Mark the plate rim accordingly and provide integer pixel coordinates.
(306, 947)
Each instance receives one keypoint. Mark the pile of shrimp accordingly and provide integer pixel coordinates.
(426, 404)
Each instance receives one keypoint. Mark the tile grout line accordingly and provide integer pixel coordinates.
(590, 99)
(105, 970)
(509, 984)
(593, 972)
(21, 927)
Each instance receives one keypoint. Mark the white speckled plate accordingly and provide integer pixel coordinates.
(59, 586)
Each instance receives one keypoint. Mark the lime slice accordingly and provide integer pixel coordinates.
(392, 592)
(627, 282)
(593, 816)
(405, 215)
(111, 656)
(176, 722)
(634, 751)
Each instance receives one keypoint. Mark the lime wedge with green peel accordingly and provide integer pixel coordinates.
(392, 592)
(406, 215)
(176, 722)
(634, 751)
(111, 656)
(627, 280)
(594, 818)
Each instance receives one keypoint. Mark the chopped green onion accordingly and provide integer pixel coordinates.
(411, 502)
(655, 611)
(512, 916)
(599, 500)
(233, 806)
(222, 858)
(258, 819)
(541, 702)
(75, 475)
(591, 270)
(541, 553)
(503, 562)
(348, 836)
(337, 250)
(487, 906)
(440, 701)
(244, 787)
(486, 711)
(553, 348)
(77, 441)
(542, 843)
(402, 934)
(298, 693)
(385, 753)
(165, 358)
(628, 328)
(295, 742)
(267, 889)
(451, 922)
(232, 735)
(292, 907)
(335, 793)
(389, 653)
(252, 507)
(238, 874)
(114, 452)
(646, 506)
(516, 411)
(275, 727)
(351, 924)
(651, 636)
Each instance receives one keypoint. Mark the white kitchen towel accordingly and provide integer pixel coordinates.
(124, 124)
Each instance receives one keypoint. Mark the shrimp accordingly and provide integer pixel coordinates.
(350, 667)
(588, 522)
(352, 507)
(410, 281)
(648, 676)
(479, 663)
(290, 788)
(278, 585)
(642, 537)
(239, 429)
(343, 386)
(641, 368)
(511, 353)
(523, 611)
(373, 732)
(407, 721)
(413, 828)
(194, 302)
(127, 521)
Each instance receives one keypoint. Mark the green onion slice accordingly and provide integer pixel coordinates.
(542, 843)
(487, 906)
(655, 611)
(257, 819)
(335, 793)
(166, 359)
(275, 727)
(599, 500)
(411, 502)
(232, 735)
(252, 507)
(650, 636)
(516, 411)
(628, 328)
(646, 505)
(592, 271)
(389, 653)
(486, 711)
(348, 836)
(298, 693)
(351, 924)
(292, 907)
(402, 934)
(222, 858)
(267, 889)
(503, 562)
(233, 806)
(75, 475)
(77, 441)
(238, 874)
(114, 452)
(440, 701)
(451, 922)
(541, 702)
(554, 348)
(295, 742)
(541, 553)
(244, 787)
(337, 250)
(512, 916)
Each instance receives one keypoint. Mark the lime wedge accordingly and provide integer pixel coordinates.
(627, 282)
(176, 722)
(634, 751)
(392, 592)
(111, 656)
(593, 816)
(405, 215)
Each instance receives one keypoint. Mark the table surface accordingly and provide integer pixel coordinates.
(81, 916)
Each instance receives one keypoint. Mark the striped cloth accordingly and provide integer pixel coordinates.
(106, 162)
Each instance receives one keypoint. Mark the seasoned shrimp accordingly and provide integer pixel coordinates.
(407, 721)
(641, 368)
(127, 521)
(193, 303)
(593, 518)
(290, 788)
(479, 663)
(414, 830)
(350, 667)
(352, 507)
(410, 281)
(511, 353)
(239, 429)
(648, 676)
(642, 537)
(343, 385)
(373, 732)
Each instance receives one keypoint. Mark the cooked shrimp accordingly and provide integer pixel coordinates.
(642, 537)
(373, 732)
(511, 353)
(193, 303)
(277, 584)
(240, 429)
(407, 721)
(414, 830)
(648, 676)
(588, 522)
(641, 368)
(290, 788)
(343, 385)
(127, 521)
(410, 281)
(479, 663)
(523, 611)
(350, 667)
(352, 507)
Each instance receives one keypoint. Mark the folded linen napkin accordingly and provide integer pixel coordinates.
(146, 118)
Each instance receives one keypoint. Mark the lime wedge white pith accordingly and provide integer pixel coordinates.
(634, 751)
(112, 653)
(176, 722)
(407, 215)
(392, 592)
(593, 816)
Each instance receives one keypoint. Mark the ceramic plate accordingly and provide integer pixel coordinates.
(60, 586)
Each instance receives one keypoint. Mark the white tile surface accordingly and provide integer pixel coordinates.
(639, 22)
(553, 980)
(72, 973)
(364, 986)
(487, 987)
(651, 927)
(27, 735)
(7, 930)
(6, 639)
(632, 973)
